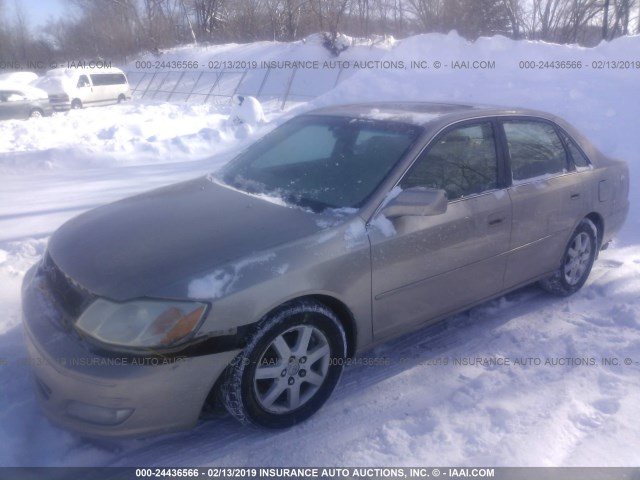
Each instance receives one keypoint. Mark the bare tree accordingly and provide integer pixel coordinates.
(247, 20)
(20, 35)
(101, 28)
(285, 16)
(329, 14)
(363, 15)
(210, 16)
(158, 22)
(622, 16)
(471, 18)
(4, 35)
(513, 9)
(474, 18)
(428, 12)
(563, 20)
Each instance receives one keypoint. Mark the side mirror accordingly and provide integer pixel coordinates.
(417, 201)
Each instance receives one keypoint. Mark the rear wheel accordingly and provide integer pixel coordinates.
(576, 263)
(121, 98)
(289, 368)
(36, 113)
(76, 104)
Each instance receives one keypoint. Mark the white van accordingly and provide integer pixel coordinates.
(71, 88)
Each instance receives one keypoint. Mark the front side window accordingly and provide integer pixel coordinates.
(535, 149)
(322, 162)
(83, 81)
(462, 162)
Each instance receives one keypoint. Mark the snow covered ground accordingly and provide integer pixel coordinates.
(417, 410)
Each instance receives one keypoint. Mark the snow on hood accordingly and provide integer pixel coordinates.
(154, 243)
(32, 93)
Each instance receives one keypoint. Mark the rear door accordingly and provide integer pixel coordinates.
(424, 267)
(546, 194)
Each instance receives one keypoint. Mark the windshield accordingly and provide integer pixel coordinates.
(321, 162)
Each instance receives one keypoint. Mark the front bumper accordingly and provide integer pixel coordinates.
(112, 396)
(60, 107)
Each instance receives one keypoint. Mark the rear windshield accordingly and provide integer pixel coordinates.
(322, 162)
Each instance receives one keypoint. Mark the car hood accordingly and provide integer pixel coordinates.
(53, 85)
(143, 244)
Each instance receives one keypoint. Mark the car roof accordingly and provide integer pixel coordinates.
(424, 113)
(76, 72)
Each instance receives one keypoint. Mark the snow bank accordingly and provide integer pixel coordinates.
(131, 133)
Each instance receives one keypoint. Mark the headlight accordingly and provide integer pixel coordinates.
(144, 323)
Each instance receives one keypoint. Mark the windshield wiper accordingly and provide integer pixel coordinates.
(316, 205)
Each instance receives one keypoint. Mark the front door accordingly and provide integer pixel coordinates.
(427, 266)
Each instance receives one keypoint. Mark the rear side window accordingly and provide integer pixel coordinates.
(99, 79)
(462, 162)
(535, 149)
(579, 159)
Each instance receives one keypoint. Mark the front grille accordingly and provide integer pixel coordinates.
(68, 296)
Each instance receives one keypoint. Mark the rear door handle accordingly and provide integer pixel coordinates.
(574, 196)
(495, 221)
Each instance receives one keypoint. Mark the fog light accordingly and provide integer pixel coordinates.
(98, 415)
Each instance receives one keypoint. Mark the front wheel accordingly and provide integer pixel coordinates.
(36, 113)
(76, 104)
(576, 263)
(288, 369)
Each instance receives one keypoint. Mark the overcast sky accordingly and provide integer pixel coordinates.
(37, 11)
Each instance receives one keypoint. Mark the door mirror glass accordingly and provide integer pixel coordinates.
(417, 201)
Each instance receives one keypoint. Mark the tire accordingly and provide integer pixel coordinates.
(577, 261)
(76, 104)
(121, 98)
(289, 368)
(36, 113)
